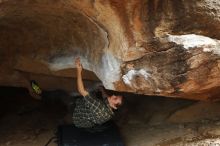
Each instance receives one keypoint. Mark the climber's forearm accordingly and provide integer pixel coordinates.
(80, 85)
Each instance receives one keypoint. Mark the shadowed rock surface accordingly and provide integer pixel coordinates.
(143, 120)
(168, 48)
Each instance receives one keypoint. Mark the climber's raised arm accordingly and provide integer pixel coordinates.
(80, 85)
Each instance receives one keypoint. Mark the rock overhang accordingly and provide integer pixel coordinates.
(130, 46)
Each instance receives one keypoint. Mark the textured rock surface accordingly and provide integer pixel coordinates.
(168, 48)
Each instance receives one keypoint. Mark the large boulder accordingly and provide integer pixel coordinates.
(168, 48)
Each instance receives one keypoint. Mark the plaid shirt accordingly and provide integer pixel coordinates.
(91, 111)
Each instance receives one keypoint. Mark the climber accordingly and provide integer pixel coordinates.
(91, 110)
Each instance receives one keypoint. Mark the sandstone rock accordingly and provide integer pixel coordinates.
(201, 112)
(168, 48)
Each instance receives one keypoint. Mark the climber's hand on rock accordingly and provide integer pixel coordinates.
(78, 64)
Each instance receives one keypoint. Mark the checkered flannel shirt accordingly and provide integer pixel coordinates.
(91, 111)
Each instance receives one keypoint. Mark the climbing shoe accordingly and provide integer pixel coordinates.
(36, 88)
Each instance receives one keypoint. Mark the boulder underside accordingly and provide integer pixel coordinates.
(166, 48)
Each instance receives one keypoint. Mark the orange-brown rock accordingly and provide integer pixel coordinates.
(153, 47)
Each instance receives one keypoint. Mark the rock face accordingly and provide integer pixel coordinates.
(169, 48)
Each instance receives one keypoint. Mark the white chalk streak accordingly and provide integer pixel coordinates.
(127, 78)
(191, 41)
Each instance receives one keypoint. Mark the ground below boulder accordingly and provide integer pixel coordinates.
(157, 121)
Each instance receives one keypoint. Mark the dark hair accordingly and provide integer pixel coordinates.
(107, 92)
(101, 93)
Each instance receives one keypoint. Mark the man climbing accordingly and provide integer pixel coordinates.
(92, 110)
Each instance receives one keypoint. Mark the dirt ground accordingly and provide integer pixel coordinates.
(143, 121)
(25, 121)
